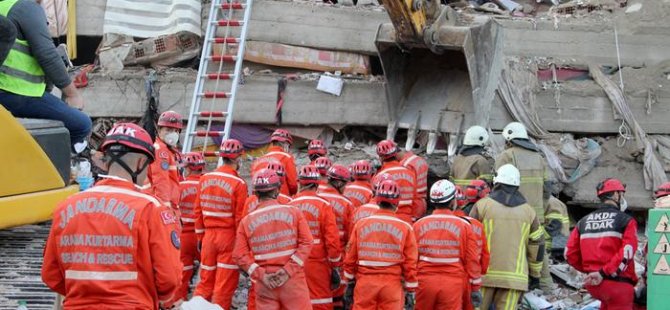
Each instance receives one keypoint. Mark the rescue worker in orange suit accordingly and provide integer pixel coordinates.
(359, 192)
(323, 164)
(195, 163)
(371, 207)
(473, 161)
(387, 151)
(219, 209)
(382, 257)
(163, 176)
(474, 192)
(603, 245)
(316, 149)
(272, 245)
(448, 254)
(517, 241)
(338, 176)
(112, 246)
(326, 256)
(250, 206)
(281, 141)
(419, 165)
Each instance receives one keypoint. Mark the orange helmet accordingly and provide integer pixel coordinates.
(477, 189)
(388, 191)
(194, 160)
(387, 149)
(265, 180)
(309, 175)
(170, 119)
(281, 135)
(461, 200)
(231, 148)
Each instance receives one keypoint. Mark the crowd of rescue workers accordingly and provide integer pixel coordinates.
(328, 235)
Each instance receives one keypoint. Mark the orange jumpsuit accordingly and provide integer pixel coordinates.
(113, 247)
(419, 165)
(163, 176)
(406, 179)
(326, 252)
(359, 192)
(219, 209)
(448, 254)
(273, 237)
(250, 206)
(364, 211)
(343, 210)
(381, 255)
(484, 257)
(290, 180)
(189, 241)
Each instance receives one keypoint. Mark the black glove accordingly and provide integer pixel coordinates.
(349, 295)
(335, 279)
(410, 298)
(533, 283)
(476, 298)
(553, 228)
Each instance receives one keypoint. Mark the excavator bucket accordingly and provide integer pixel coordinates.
(432, 84)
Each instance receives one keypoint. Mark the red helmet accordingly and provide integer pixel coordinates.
(388, 191)
(663, 190)
(386, 149)
(362, 170)
(275, 166)
(339, 172)
(610, 185)
(231, 148)
(378, 179)
(461, 199)
(477, 189)
(129, 136)
(265, 180)
(194, 160)
(281, 135)
(316, 147)
(170, 119)
(309, 175)
(323, 163)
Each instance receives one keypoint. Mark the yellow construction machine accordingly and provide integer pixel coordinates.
(436, 63)
(34, 172)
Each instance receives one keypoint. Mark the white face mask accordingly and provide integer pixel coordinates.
(171, 139)
(623, 204)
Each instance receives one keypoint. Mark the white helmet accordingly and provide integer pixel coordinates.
(507, 174)
(476, 135)
(442, 191)
(515, 130)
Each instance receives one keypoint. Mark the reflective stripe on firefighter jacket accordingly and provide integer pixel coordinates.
(252, 203)
(533, 172)
(113, 246)
(471, 167)
(606, 241)
(189, 193)
(382, 245)
(514, 236)
(163, 176)
(420, 167)
(447, 244)
(556, 210)
(342, 209)
(290, 180)
(221, 197)
(364, 211)
(323, 226)
(482, 244)
(359, 192)
(406, 180)
(274, 235)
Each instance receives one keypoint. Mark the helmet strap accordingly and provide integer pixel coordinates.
(115, 157)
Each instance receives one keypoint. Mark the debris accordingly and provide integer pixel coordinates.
(533, 301)
(199, 303)
(569, 275)
(634, 8)
(330, 84)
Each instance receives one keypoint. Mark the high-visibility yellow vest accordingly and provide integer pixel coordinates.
(20, 74)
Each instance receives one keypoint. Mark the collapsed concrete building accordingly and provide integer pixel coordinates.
(542, 70)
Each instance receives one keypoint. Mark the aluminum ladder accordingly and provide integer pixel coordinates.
(220, 74)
